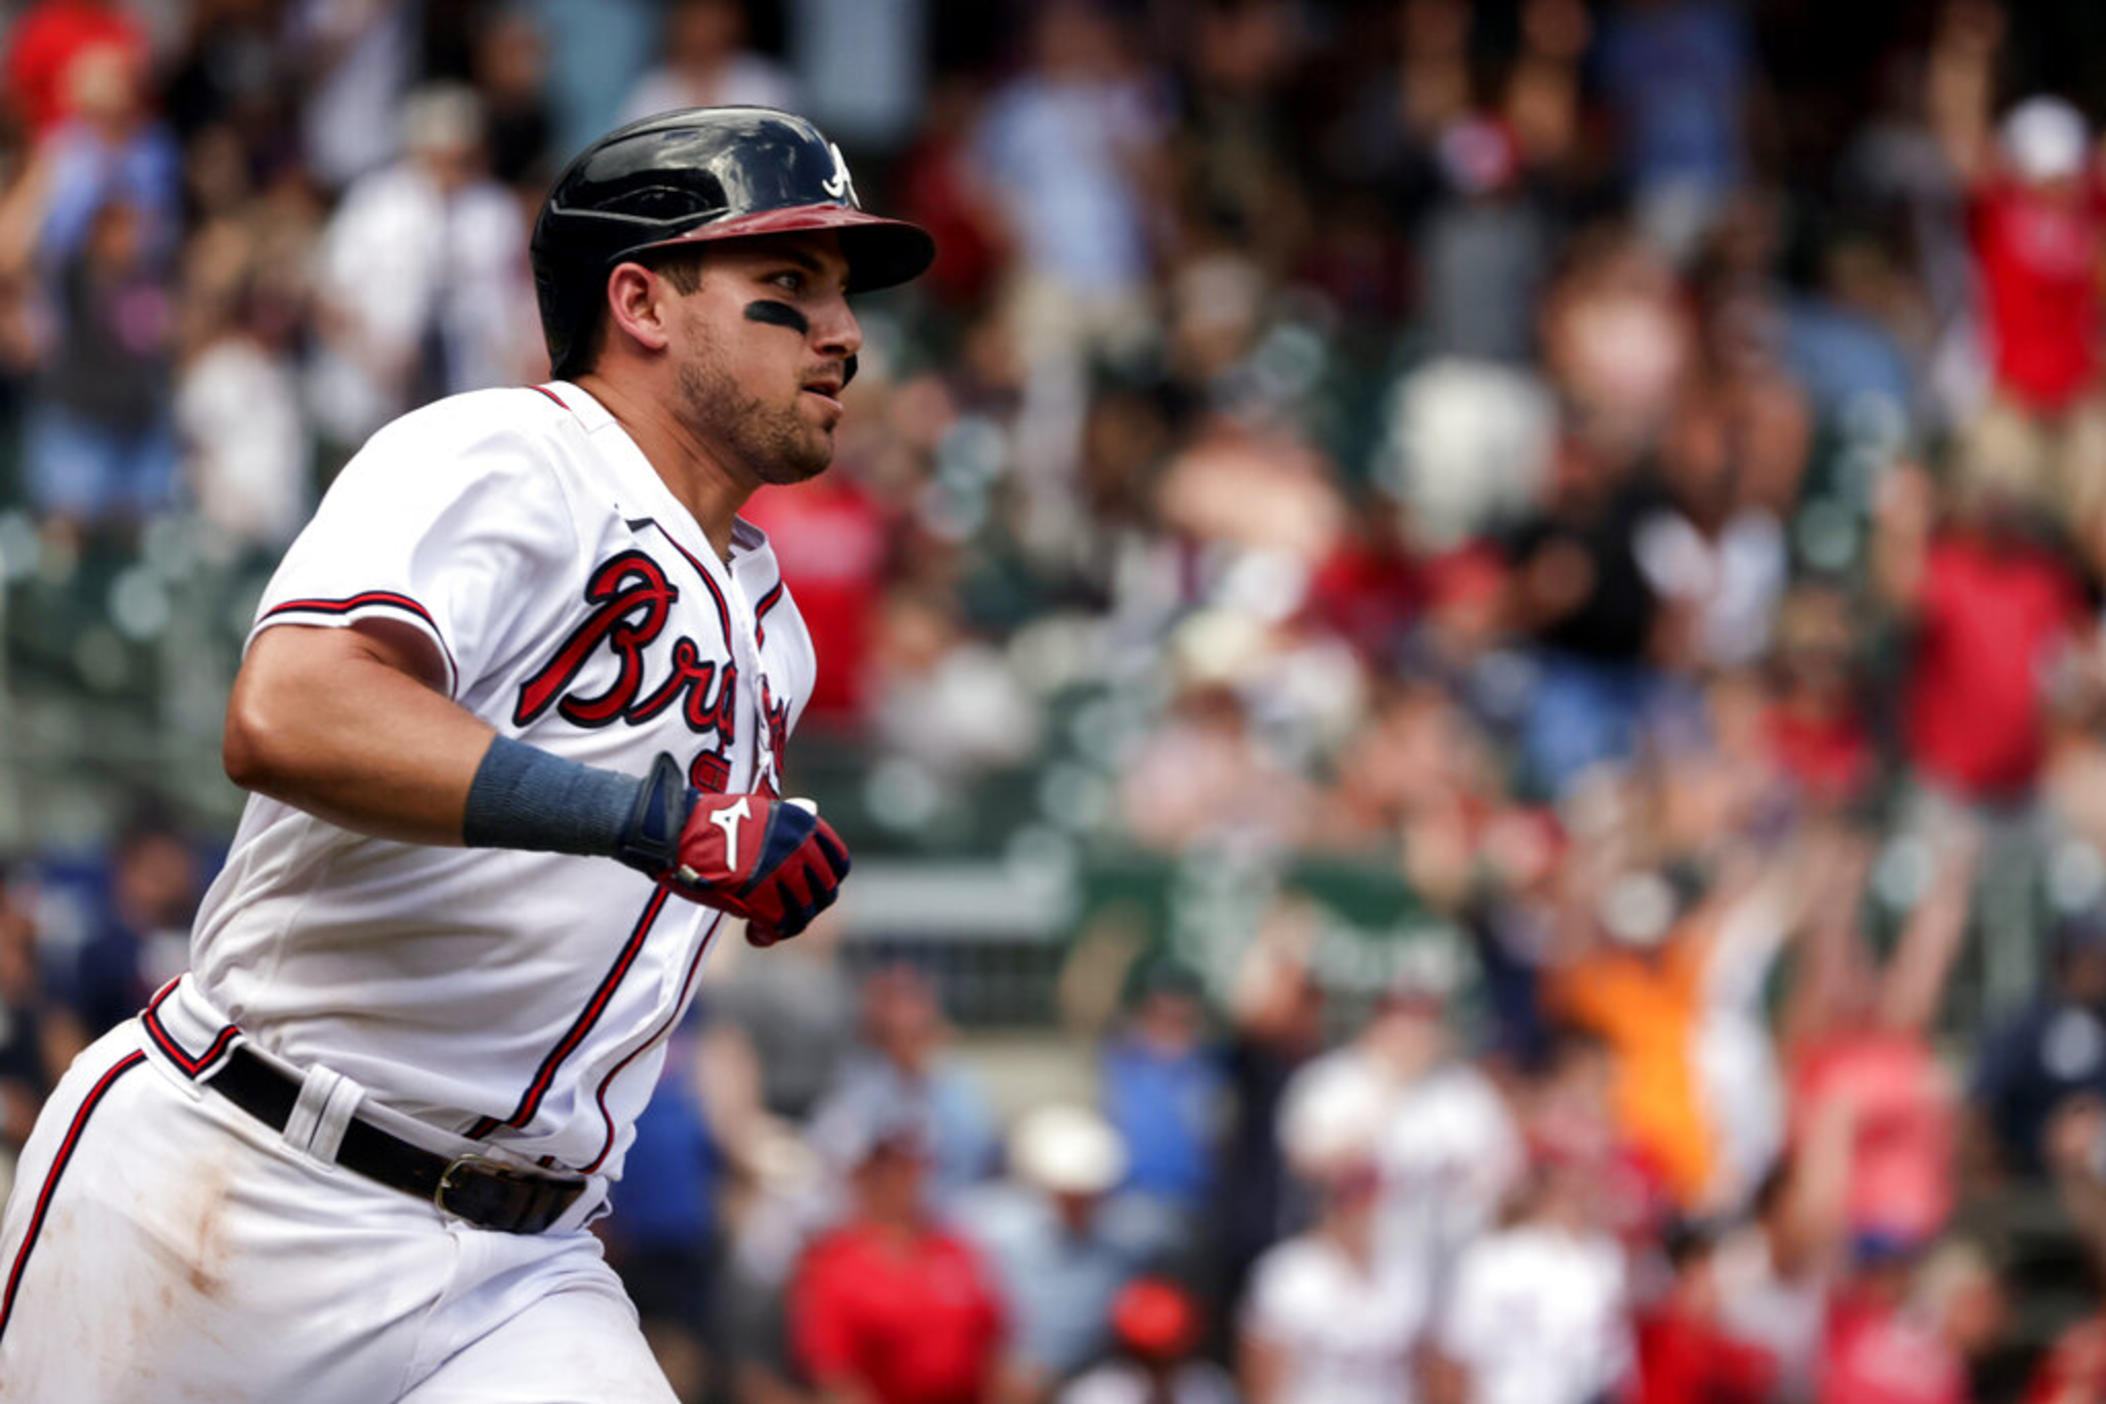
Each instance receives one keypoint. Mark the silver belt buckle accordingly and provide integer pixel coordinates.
(459, 1162)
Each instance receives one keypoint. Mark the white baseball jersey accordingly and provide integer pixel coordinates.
(522, 999)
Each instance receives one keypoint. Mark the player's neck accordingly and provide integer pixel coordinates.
(711, 492)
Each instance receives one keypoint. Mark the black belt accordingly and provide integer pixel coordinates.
(482, 1191)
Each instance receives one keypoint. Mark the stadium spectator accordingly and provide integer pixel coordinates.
(1777, 1272)
(833, 542)
(1068, 147)
(1601, 621)
(1161, 1090)
(248, 457)
(1685, 1349)
(1331, 1315)
(1062, 1246)
(1638, 985)
(510, 66)
(1860, 1034)
(1679, 76)
(890, 1307)
(355, 60)
(2037, 223)
(2074, 1369)
(140, 937)
(423, 287)
(902, 1074)
(662, 1241)
(707, 64)
(1816, 718)
(1992, 612)
(1276, 1013)
(1444, 1149)
(1902, 1331)
(1557, 1268)
(2043, 1056)
(1156, 1328)
(101, 448)
(46, 40)
(30, 1056)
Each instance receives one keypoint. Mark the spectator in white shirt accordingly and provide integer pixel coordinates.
(1445, 1148)
(1537, 1313)
(247, 456)
(423, 277)
(707, 64)
(1329, 1318)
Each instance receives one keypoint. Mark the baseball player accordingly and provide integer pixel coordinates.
(513, 715)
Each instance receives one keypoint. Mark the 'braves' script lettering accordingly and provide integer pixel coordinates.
(632, 603)
(632, 600)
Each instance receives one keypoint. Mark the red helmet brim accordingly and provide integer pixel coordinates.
(881, 252)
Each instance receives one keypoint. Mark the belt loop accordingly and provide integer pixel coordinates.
(335, 1118)
(315, 1090)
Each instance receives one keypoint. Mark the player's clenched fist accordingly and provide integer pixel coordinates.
(774, 862)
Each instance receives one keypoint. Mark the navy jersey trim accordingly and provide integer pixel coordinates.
(708, 580)
(545, 1076)
(191, 1066)
(760, 614)
(51, 1178)
(367, 600)
(679, 1007)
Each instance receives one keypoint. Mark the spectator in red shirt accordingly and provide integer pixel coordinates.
(888, 1308)
(2074, 1370)
(831, 543)
(1994, 612)
(1862, 1067)
(1904, 1331)
(44, 44)
(1684, 1352)
(1814, 724)
(2037, 226)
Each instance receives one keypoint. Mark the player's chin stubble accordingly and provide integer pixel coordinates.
(776, 443)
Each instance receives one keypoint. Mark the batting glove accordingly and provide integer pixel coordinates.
(774, 862)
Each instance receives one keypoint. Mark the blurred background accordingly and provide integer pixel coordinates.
(1460, 642)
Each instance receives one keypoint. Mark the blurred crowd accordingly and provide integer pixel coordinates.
(1635, 469)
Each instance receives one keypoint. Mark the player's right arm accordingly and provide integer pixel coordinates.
(349, 725)
(440, 549)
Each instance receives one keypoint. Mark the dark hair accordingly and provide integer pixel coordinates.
(680, 265)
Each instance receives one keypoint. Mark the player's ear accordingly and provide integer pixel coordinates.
(638, 304)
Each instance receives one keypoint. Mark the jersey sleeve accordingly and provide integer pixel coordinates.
(455, 536)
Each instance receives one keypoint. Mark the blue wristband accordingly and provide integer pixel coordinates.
(523, 797)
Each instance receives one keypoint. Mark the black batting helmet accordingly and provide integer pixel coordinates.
(700, 173)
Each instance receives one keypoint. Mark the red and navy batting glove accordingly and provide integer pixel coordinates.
(774, 862)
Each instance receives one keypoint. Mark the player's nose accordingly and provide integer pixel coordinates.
(836, 332)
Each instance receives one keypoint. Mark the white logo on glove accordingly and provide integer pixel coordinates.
(728, 819)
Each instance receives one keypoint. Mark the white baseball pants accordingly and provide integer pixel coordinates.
(161, 1245)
